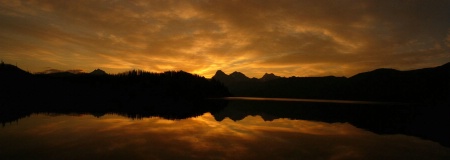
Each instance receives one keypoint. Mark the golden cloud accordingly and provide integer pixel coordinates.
(289, 38)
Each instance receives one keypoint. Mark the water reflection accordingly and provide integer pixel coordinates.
(116, 137)
(235, 129)
(425, 121)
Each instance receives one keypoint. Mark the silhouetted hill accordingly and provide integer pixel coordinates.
(238, 76)
(428, 85)
(444, 67)
(98, 72)
(13, 79)
(382, 73)
(7, 70)
(268, 77)
(420, 85)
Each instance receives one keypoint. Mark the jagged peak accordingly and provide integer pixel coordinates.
(220, 75)
(220, 72)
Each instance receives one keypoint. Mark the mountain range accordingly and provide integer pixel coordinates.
(427, 85)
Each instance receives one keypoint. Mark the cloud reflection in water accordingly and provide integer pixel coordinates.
(117, 137)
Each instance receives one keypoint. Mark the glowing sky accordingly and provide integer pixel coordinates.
(288, 38)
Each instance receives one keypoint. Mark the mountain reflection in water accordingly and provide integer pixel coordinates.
(116, 137)
(242, 130)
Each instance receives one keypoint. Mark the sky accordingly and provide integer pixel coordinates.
(285, 37)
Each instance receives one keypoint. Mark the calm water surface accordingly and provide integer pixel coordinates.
(84, 136)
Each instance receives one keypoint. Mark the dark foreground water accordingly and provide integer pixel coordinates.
(243, 130)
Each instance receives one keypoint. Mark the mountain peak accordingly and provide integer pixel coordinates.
(238, 76)
(98, 72)
(233, 77)
(269, 76)
(220, 73)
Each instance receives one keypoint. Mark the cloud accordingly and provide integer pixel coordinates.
(339, 38)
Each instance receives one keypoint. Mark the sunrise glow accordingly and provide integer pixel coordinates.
(289, 38)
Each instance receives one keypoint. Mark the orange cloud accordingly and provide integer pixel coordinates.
(289, 38)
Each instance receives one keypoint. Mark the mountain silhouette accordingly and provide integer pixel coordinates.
(12, 71)
(428, 85)
(269, 76)
(238, 76)
(98, 72)
(222, 77)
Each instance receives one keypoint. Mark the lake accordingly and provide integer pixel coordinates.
(245, 129)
